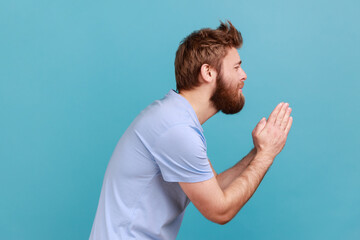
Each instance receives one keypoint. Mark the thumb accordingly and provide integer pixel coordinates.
(260, 126)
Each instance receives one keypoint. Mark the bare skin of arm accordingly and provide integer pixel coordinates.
(225, 178)
(220, 198)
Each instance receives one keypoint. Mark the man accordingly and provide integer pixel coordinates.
(160, 162)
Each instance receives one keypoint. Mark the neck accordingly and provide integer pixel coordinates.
(199, 99)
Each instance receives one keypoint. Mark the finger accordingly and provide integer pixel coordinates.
(285, 119)
(288, 126)
(273, 115)
(281, 114)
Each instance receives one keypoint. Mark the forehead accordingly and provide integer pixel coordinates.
(232, 56)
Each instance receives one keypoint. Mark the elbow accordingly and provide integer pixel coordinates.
(222, 217)
(221, 220)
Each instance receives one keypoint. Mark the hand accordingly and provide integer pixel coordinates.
(269, 136)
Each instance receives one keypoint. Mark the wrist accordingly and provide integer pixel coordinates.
(263, 158)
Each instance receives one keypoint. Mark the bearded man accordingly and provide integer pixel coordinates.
(160, 163)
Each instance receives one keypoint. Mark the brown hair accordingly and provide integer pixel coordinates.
(203, 46)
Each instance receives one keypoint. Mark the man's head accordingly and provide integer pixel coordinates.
(217, 50)
(228, 96)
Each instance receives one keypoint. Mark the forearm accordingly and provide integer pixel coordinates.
(243, 187)
(227, 177)
(221, 205)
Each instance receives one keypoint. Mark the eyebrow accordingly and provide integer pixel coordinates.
(238, 63)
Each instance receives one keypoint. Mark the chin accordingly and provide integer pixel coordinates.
(234, 107)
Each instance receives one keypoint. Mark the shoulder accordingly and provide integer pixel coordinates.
(183, 132)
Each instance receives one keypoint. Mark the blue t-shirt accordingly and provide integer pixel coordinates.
(140, 196)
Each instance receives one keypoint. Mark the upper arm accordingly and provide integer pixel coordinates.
(180, 153)
(208, 198)
(215, 174)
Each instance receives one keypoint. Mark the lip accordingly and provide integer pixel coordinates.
(240, 88)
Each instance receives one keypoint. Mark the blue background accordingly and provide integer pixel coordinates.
(74, 74)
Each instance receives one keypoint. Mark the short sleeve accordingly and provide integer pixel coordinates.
(181, 155)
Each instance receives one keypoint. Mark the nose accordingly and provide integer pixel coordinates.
(243, 75)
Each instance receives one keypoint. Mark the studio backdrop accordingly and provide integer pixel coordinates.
(74, 74)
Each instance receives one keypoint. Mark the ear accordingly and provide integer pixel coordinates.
(208, 73)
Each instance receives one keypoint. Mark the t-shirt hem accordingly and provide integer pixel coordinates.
(189, 179)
